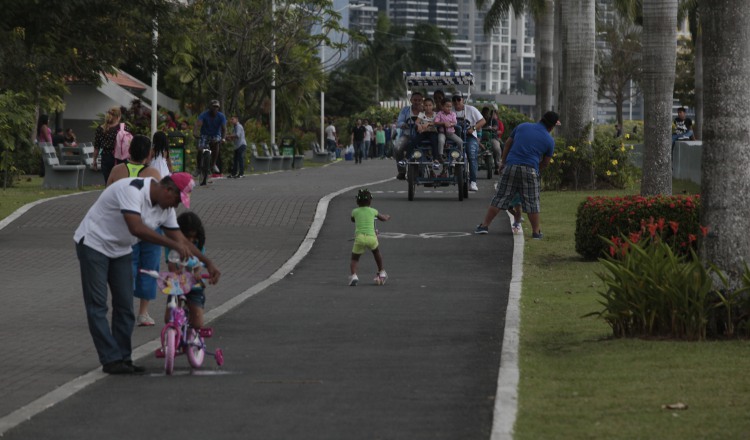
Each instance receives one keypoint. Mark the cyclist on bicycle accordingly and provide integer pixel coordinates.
(211, 129)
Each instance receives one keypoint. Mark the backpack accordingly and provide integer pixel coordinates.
(122, 143)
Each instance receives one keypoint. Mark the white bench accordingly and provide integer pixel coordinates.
(257, 162)
(60, 176)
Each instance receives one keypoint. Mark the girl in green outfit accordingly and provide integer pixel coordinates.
(365, 237)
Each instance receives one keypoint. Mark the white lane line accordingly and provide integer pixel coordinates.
(23, 209)
(506, 396)
(68, 389)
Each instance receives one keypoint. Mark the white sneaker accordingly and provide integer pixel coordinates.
(380, 278)
(353, 280)
(216, 169)
(145, 321)
(517, 228)
(473, 186)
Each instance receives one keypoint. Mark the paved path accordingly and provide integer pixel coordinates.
(308, 357)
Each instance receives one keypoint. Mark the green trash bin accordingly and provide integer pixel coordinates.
(287, 147)
(176, 141)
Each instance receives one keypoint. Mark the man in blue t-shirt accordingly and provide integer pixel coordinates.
(211, 127)
(527, 151)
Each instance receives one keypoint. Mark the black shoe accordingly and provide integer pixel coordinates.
(401, 176)
(137, 369)
(117, 367)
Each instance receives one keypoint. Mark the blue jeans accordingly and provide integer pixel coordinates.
(145, 256)
(359, 150)
(98, 271)
(239, 161)
(472, 150)
(367, 150)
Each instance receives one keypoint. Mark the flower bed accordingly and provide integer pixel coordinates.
(612, 217)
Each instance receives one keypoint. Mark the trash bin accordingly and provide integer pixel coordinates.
(287, 146)
(176, 142)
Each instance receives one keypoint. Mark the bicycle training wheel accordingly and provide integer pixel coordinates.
(196, 349)
(170, 350)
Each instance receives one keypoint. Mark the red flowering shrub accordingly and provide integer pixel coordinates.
(675, 218)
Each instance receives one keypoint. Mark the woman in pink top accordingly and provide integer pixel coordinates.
(43, 132)
(445, 120)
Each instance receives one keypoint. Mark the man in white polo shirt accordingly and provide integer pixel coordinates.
(127, 211)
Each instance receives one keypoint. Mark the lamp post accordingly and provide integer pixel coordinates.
(273, 78)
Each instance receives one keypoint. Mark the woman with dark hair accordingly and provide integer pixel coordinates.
(161, 160)
(43, 132)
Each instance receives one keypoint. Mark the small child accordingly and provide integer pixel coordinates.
(446, 120)
(427, 129)
(192, 228)
(364, 236)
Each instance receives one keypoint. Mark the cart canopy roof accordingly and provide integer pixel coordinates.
(438, 79)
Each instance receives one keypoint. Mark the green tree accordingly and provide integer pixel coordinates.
(684, 84)
(42, 45)
(619, 62)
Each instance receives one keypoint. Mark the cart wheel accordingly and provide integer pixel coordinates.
(412, 180)
(459, 176)
(489, 162)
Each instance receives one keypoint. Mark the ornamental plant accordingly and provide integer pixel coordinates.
(615, 216)
(652, 291)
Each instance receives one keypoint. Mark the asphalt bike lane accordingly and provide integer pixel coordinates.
(311, 357)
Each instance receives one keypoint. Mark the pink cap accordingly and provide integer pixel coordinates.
(185, 183)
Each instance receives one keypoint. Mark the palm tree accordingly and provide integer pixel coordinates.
(659, 58)
(578, 34)
(725, 178)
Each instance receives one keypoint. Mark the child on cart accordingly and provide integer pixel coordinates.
(365, 237)
(427, 129)
(192, 228)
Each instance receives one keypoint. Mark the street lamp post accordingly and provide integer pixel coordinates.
(273, 78)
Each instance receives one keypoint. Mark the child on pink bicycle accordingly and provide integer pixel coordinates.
(192, 228)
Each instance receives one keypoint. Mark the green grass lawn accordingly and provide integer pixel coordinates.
(579, 383)
(26, 190)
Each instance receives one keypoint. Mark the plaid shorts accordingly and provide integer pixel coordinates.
(518, 180)
(204, 140)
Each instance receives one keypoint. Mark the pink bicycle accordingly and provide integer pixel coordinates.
(177, 336)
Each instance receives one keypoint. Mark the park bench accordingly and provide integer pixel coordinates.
(319, 154)
(57, 175)
(276, 161)
(91, 177)
(286, 161)
(259, 163)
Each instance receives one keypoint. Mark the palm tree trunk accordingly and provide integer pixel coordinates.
(725, 178)
(698, 123)
(578, 18)
(659, 58)
(557, 90)
(545, 30)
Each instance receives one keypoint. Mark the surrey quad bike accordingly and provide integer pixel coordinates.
(421, 167)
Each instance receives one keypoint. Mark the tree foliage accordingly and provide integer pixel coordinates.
(42, 45)
(618, 62)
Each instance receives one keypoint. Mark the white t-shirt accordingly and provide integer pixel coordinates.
(472, 115)
(104, 229)
(159, 163)
(331, 132)
(370, 133)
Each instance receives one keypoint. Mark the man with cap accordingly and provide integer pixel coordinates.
(527, 151)
(127, 211)
(211, 128)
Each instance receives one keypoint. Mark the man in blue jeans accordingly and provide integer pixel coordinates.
(473, 121)
(240, 145)
(527, 151)
(128, 210)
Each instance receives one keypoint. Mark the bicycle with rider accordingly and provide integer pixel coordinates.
(210, 129)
